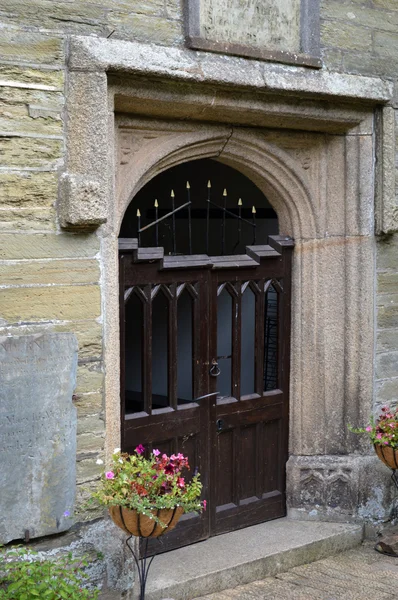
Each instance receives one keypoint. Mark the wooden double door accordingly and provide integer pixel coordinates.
(205, 344)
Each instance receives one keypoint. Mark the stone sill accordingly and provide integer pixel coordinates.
(185, 65)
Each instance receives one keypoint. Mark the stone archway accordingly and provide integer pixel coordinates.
(315, 161)
(331, 221)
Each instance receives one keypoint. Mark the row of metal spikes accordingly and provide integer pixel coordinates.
(187, 205)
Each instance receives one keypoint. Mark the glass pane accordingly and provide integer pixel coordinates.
(271, 340)
(184, 348)
(160, 313)
(224, 342)
(247, 384)
(133, 364)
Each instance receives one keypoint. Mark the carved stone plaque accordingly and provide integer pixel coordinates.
(37, 433)
(276, 30)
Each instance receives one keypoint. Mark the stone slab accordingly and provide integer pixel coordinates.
(247, 555)
(38, 434)
(256, 24)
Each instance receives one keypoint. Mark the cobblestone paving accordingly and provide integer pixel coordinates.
(360, 574)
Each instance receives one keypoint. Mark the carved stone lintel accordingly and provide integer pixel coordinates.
(82, 202)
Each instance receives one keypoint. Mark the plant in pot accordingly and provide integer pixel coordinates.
(146, 496)
(383, 433)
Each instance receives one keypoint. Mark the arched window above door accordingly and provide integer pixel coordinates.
(200, 207)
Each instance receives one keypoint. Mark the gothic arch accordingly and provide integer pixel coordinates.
(281, 178)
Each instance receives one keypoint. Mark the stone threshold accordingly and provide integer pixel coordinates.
(244, 556)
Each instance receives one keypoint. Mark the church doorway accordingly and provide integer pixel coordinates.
(205, 340)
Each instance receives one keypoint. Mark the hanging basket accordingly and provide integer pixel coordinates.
(141, 525)
(388, 455)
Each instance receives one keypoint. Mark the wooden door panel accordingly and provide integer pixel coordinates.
(239, 440)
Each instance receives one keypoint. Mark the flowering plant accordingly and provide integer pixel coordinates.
(383, 430)
(149, 484)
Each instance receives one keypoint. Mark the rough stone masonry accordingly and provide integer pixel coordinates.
(51, 278)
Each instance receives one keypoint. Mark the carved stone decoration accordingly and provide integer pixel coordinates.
(278, 30)
(338, 488)
(82, 202)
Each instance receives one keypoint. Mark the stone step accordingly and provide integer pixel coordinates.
(244, 556)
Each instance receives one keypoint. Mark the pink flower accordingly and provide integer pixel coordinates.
(110, 475)
(180, 456)
(140, 449)
(379, 436)
(165, 457)
(181, 482)
(156, 452)
(204, 504)
(369, 428)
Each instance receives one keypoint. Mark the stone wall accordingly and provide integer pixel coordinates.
(51, 279)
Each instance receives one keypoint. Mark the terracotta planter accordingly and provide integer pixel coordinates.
(388, 455)
(141, 525)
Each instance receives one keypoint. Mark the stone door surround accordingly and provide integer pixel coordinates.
(307, 140)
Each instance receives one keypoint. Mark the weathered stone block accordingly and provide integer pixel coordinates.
(174, 9)
(360, 15)
(72, 17)
(11, 94)
(387, 252)
(136, 27)
(19, 219)
(386, 365)
(88, 404)
(88, 470)
(385, 44)
(386, 391)
(44, 303)
(347, 36)
(30, 76)
(33, 119)
(16, 246)
(28, 189)
(91, 424)
(387, 282)
(89, 443)
(387, 339)
(90, 377)
(82, 202)
(339, 488)
(31, 152)
(38, 433)
(28, 47)
(388, 4)
(55, 272)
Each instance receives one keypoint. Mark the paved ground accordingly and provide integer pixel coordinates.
(359, 574)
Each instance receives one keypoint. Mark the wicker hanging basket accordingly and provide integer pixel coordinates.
(141, 525)
(388, 455)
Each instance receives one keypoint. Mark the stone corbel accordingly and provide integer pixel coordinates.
(82, 202)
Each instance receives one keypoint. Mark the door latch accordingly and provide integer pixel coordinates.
(214, 369)
(220, 425)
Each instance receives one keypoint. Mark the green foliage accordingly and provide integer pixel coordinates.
(148, 484)
(26, 576)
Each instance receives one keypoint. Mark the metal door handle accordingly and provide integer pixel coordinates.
(220, 425)
(214, 369)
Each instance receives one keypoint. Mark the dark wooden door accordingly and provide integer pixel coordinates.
(237, 315)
